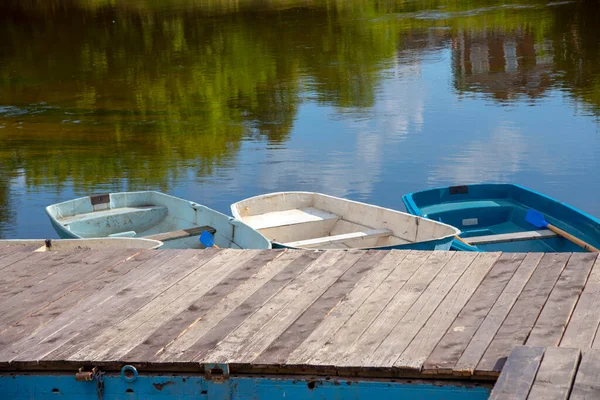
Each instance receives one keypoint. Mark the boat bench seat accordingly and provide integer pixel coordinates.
(182, 233)
(288, 217)
(511, 237)
(339, 238)
(461, 205)
(112, 212)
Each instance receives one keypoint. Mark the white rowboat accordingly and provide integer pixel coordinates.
(318, 221)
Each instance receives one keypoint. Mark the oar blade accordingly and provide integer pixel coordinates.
(207, 239)
(536, 219)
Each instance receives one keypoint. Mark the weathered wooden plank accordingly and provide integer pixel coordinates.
(60, 281)
(218, 277)
(519, 322)
(393, 261)
(40, 317)
(23, 265)
(133, 302)
(555, 315)
(10, 254)
(203, 334)
(428, 337)
(585, 319)
(587, 385)
(409, 325)
(519, 373)
(471, 356)
(67, 325)
(374, 328)
(454, 342)
(556, 374)
(328, 303)
(255, 334)
(229, 293)
(58, 274)
(411, 276)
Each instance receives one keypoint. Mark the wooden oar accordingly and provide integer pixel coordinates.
(462, 240)
(536, 219)
(207, 239)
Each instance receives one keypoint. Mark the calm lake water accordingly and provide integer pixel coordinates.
(218, 100)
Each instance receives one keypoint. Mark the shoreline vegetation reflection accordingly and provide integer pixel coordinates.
(144, 92)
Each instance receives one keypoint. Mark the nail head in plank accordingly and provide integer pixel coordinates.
(519, 322)
(484, 335)
(555, 315)
(518, 374)
(556, 374)
(454, 342)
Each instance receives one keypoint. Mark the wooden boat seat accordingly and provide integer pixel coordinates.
(511, 237)
(183, 233)
(339, 238)
(288, 217)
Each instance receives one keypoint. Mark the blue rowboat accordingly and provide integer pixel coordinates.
(176, 222)
(492, 217)
(310, 220)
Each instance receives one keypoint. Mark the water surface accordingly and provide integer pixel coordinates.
(215, 101)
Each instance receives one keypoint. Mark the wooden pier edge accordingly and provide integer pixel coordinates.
(355, 314)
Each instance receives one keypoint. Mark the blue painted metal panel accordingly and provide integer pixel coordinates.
(42, 387)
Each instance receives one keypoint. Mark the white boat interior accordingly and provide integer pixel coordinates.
(176, 222)
(317, 221)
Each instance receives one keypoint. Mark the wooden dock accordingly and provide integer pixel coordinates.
(552, 373)
(345, 313)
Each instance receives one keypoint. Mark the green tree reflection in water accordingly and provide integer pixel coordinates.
(97, 93)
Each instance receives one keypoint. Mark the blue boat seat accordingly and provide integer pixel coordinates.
(461, 205)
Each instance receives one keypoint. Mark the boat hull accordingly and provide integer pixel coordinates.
(489, 212)
(174, 221)
(308, 220)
